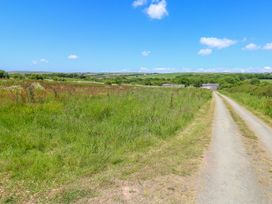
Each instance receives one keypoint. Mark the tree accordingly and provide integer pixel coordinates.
(18, 76)
(255, 81)
(3, 74)
(37, 77)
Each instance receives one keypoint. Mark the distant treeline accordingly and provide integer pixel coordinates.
(225, 80)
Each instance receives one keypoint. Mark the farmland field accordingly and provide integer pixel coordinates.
(52, 133)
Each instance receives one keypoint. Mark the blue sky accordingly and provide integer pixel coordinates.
(136, 35)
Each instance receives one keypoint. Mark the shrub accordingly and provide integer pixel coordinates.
(3, 74)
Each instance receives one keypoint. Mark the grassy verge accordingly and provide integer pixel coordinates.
(255, 96)
(150, 176)
(260, 159)
(55, 133)
(256, 104)
(240, 122)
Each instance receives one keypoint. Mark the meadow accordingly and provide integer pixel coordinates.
(52, 133)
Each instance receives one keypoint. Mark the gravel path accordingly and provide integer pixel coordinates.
(261, 130)
(227, 175)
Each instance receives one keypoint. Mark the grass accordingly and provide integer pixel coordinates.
(169, 164)
(261, 104)
(55, 134)
(72, 196)
(240, 122)
(256, 97)
(260, 159)
(267, 80)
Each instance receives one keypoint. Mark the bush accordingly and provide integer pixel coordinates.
(18, 76)
(108, 83)
(36, 77)
(3, 74)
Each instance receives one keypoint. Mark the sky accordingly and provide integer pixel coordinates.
(136, 35)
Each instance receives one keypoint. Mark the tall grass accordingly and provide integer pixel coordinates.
(257, 97)
(67, 134)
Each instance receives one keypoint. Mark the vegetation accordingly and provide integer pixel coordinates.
(170, 163)
(225, 80)
(3, 74)
(254, 94)
(58, 127)
(240, 122)
(52, 133)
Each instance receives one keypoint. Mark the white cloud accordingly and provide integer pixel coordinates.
(157, 9)
(157, 70)
(41, 61)
(124, 70)
(217, 42)
(44, 60)
(244, 39)
(207, 69)
(251, 46)
(137, 3)
(268, 46)
(205, 52)
(164, 69)
(146, 53)
(144, 69)
(72, 57)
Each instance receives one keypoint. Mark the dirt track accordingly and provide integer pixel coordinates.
(228, 175)
(261, 130)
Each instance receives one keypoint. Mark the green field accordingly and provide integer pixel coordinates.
(53, 133)
(267, 80)
(151, 79)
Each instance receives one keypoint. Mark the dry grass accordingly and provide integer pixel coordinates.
(240, 122)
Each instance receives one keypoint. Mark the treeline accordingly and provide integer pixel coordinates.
(225, 80)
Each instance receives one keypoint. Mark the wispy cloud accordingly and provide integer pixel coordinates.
(251, 47)
(144, 69)
(72, 57)
(138, 3)
(146, 53)
(157, 9)
(205, 52)
(164, 69)
(41, 61)
(157, 70)
(268, 46)
(267, 68)
(218, 43)
(206, 69)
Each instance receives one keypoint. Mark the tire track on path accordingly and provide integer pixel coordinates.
(256, 125)
(227, 175)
